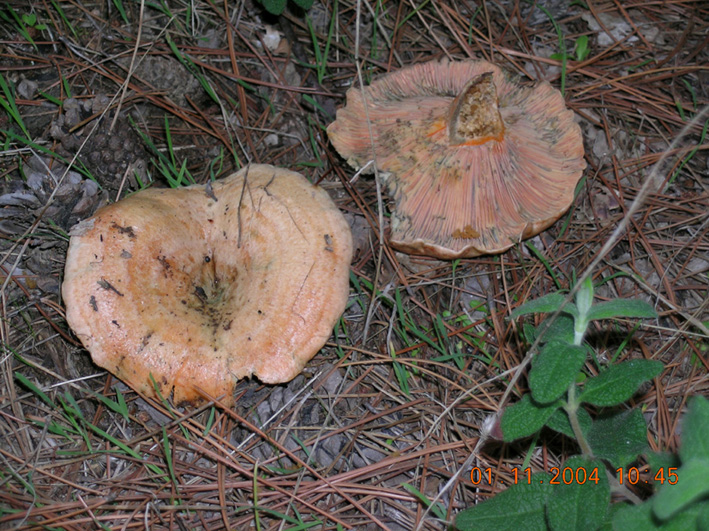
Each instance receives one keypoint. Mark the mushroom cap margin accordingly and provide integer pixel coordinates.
(200, 293)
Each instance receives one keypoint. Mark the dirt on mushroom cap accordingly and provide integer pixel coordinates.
(456, 200)
(199, 292)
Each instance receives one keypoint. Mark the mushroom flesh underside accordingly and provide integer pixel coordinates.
(473, 163)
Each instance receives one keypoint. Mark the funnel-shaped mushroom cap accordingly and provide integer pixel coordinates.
(200, 287)
(473, 161)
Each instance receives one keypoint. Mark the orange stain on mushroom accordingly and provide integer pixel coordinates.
(466, 232)
(482, 140)
(437, 127)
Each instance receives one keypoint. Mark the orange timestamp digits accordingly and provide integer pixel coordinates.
(580, 475)
(569, 475)
(477, 475)
(632, 476)
(566, 475)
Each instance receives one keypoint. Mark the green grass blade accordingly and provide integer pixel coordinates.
(36, 390)
(168, 456)
(438, 509)
(60, 11)
(20, 25)
(562, 47)
(121, 10)
(189, 64)
(536, 252)
(8, 103)
(119, 407)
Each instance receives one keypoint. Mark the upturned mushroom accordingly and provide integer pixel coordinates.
(473, 161)
(186, 291)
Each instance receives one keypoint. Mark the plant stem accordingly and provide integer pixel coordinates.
(622, 489)
(578, 336)
(572, 405)
(571, 408)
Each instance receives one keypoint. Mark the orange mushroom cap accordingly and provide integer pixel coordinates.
(473, 161)
(200, 287)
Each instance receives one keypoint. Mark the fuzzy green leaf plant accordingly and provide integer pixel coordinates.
(563, 396)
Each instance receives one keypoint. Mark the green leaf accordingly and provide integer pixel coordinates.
(29, 18)
(529, 333)
(661, 460)
(691, 485)
(695, 430)
(622, 308)
(525, 418)
(547, 303)
(641, 518)
(554, 370)
(304, 4)
(520, 507)
(581, 48)
(610, 513)
(561, 329)
(274, 6)
(619, 438)
(703, 517)
(687, 519)
(579, 502)
(635, 518)
(559, 421)
(619, 382)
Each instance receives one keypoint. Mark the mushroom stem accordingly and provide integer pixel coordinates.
(474, 115)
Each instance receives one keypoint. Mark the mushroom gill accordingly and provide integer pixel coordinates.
(473, 161)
